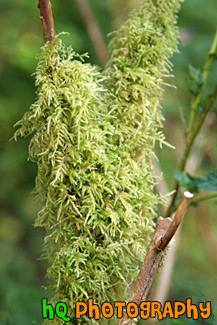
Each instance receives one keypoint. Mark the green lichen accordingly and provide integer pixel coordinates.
(94, 138)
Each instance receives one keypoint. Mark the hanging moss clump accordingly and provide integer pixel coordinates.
(140, 52)
(93, 140)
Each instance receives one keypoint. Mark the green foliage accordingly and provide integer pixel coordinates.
(193, 184)
(186, 180)
(94, 138)
(196, 79)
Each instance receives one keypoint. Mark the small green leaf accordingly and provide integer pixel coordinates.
(196, 78)
(186, 181)
(195, 74)
(209, 182)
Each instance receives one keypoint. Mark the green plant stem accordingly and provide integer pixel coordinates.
(196, 100)
(189, 145)
(204, 198)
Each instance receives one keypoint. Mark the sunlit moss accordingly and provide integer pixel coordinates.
(94, 138)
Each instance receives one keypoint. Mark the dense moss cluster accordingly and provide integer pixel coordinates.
(94, 138)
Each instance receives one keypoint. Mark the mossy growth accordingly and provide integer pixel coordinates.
(94, 138)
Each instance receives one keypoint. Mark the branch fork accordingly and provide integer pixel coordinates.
(164, 232)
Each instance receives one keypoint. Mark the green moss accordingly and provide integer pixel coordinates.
(94, 138)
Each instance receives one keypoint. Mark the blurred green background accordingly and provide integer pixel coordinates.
(22, 275)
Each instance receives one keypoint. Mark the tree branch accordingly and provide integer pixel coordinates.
(46, 16)
(165, 230)
(176, 221)
(162, 286)
(93, 30)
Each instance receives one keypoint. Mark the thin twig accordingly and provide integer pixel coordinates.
(46, 16)
(196, 100)
(165, 230)
(204, 198)
(201, 121)
(93, 30)
(190, 144)
(192, 132)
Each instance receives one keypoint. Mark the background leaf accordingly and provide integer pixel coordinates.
(193, 184)
(209, 182)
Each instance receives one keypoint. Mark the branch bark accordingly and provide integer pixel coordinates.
(46, 16)
(165, 230)
(164, 278)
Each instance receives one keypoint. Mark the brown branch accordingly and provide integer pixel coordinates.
(93, 30)
(165, 230)
(161, 289)
(162, 286)
(176, 221)
(46, 16)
